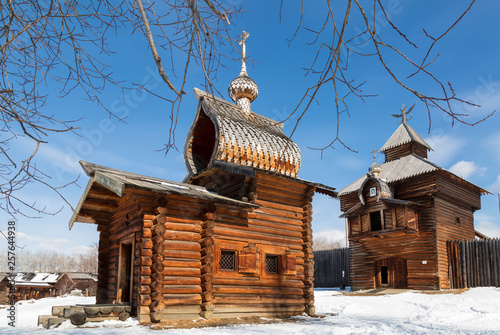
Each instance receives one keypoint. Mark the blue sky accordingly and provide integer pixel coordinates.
(468, 58)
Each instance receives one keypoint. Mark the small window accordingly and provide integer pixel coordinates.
(457, 221)
(384, 275)
(272, 264)
(227, 260)
(376, 221)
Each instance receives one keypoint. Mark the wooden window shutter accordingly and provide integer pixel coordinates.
(247, 261)
(411, 218)
(289, 264)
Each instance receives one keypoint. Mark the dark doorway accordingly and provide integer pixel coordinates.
(384, 275)
(391, 273)
(125, 272)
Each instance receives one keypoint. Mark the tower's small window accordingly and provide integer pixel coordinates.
(227, 260)
(376, 221)
(457, 221)
(272, 264)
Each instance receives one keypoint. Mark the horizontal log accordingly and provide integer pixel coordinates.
(182, 245)
(169, 262)
(257, 236)
(258, 282)
(181, 272)
(182, 236)
(281, 180)
(182, 299)
(274, 205)
(181, 254)
(182, 289)
(187, 227)
(225, 289)
(171, 280)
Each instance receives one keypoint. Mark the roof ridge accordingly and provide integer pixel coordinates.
(402, 135)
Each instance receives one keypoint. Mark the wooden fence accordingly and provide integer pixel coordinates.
(331, 268)
(474, 263)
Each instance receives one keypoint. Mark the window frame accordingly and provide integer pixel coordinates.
(235, 262)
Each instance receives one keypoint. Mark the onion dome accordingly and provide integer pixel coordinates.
(374, 170)
(243, 90)
(243, 87)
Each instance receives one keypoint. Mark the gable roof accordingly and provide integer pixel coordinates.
(399, 169)
(37, 278)
(246, 139)
(82, 276)
(404, 134)
(116, 181)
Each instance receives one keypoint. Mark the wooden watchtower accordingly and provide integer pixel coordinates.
(401, 213)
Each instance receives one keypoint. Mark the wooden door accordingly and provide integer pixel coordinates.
(125, 270)
(391, 273)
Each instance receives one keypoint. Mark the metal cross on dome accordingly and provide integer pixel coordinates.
(404, 114)
(374, 152)
(244, 36)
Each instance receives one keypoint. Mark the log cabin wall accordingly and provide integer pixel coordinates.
(455, 206)
(369, 247)
(394, 240)
(249, 239)
(405, 150)
(176, 279)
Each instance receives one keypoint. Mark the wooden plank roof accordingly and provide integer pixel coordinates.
(116, 181)
(403, 134)
(399, 169)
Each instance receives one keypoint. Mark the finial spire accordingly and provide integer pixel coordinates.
(404, 114)
(374, 169)
(374, 152)
(244, 36)
(243, 90)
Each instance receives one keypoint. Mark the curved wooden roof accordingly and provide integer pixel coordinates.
(222, 132)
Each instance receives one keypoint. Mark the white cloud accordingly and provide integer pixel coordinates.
(465, 169)
(488, 228)
(495, 187)
(41, 242)
(445, 147)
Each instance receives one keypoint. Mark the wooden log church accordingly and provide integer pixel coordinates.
(401, 214)
(234, 239)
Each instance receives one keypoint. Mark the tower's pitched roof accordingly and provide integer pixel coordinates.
(245, 139)
(404, 134)
(400, 169)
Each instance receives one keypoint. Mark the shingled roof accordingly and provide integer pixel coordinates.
(247, 139)
(399, 169)
(404, 134)
(116, 181)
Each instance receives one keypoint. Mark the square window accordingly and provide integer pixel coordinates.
(272, 264)
(227, 260)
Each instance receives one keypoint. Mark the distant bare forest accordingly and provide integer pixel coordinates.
(51, 261)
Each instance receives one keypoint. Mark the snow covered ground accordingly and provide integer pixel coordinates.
(476, 311)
